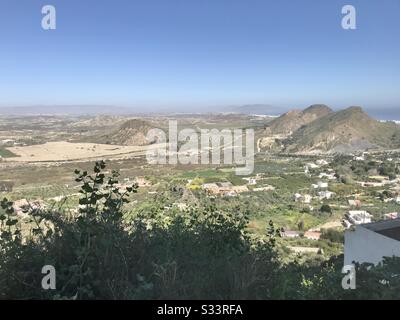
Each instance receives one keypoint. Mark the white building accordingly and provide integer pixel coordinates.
(307, 198)
(329, 176)
(371, 242)
(320, 185)
(321, 162)
(325, 195)
(323, 185)
(303, 198)
(289, 234)
(359, 217)
(312, 165)
(251, 181)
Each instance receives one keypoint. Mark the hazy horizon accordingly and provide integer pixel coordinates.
(250, 109)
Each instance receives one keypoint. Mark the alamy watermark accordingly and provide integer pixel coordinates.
(349, 20)
(205, 147)
(349, 280)
(49, 280)
(49, 20)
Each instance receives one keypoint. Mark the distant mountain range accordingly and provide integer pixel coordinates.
(79, 110)
(318, 129)
(91, 110)
(64, 110)
(255, 109)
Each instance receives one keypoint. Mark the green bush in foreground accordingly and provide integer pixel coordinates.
(203, 253)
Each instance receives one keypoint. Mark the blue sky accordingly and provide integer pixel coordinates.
(194, 54)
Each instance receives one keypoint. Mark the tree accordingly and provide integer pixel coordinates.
(156, 252)
(325, 208)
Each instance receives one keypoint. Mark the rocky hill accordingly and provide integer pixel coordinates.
(344, 131)
(131, 133)
(294, 119)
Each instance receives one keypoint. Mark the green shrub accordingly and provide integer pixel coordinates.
(161, 253)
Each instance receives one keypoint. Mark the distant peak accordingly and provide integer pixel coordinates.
(293, 112)
(355, 109)
(134, 124)
(317, 107)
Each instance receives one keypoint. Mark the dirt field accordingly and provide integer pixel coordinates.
(66, 151)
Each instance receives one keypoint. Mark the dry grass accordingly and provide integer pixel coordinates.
(66, 151)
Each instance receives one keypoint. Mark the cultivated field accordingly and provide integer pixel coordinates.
(66, 151)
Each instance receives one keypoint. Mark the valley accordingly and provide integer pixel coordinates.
(304, 176)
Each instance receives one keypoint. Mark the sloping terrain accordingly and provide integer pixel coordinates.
(271, 137)
(130, 133)
(294, 119)
(344, 131)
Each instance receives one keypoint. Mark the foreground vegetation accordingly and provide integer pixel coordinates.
(204, 252)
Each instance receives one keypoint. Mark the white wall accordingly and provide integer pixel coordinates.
(363, 245)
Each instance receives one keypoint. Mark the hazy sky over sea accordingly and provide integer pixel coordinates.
(190, 55)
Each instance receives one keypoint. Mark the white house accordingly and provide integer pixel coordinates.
(371, 242)
(321, 162)
(312, 165)
(325, 195)
(289, 234)
(320, 185)
(251, 181)
(359, 217)
(303, 198)
(329, 176)
(307, 198)
(323, 185)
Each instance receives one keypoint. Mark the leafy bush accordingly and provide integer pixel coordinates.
(161, 253)
(203, 253)
(333, 235)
